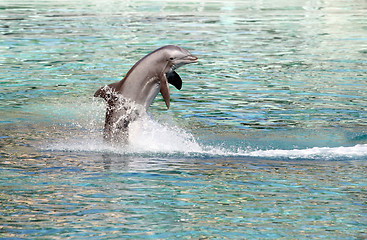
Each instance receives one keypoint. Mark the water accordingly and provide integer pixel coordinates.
(266, 140)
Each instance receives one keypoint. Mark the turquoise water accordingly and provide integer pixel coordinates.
(266, 140)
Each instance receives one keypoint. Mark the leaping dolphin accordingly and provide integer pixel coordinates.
(136, 91)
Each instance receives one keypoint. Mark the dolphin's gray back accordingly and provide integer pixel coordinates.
(142, 83)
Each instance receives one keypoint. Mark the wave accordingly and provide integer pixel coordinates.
(357, 151)
(149, 137)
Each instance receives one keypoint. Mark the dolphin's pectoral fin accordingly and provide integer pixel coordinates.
(107, 91)
(174, 79)
(165, 89)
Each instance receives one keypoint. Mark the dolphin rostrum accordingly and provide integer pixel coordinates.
(131, 96)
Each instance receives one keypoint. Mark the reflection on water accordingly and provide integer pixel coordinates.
(116, 196)
(266, 139)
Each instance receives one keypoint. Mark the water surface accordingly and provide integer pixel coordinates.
(267, 138)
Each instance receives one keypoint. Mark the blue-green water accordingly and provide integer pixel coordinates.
(266, 140)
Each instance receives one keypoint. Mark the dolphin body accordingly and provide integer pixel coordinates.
(132, 96)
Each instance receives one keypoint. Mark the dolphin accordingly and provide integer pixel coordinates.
(132, 96)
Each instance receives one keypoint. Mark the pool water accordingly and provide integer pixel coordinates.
(266, 140)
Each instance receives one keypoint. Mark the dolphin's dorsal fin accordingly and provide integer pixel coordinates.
(174, 79)
(107, 91)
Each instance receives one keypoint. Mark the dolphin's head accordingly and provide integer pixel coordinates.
(171, 57)
(177, 57)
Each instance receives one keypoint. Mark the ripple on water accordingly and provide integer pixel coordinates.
(265, 140)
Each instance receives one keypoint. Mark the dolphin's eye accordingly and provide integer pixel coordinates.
(171, 58)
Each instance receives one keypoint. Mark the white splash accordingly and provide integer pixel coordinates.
(357, 151)
(147, 136)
